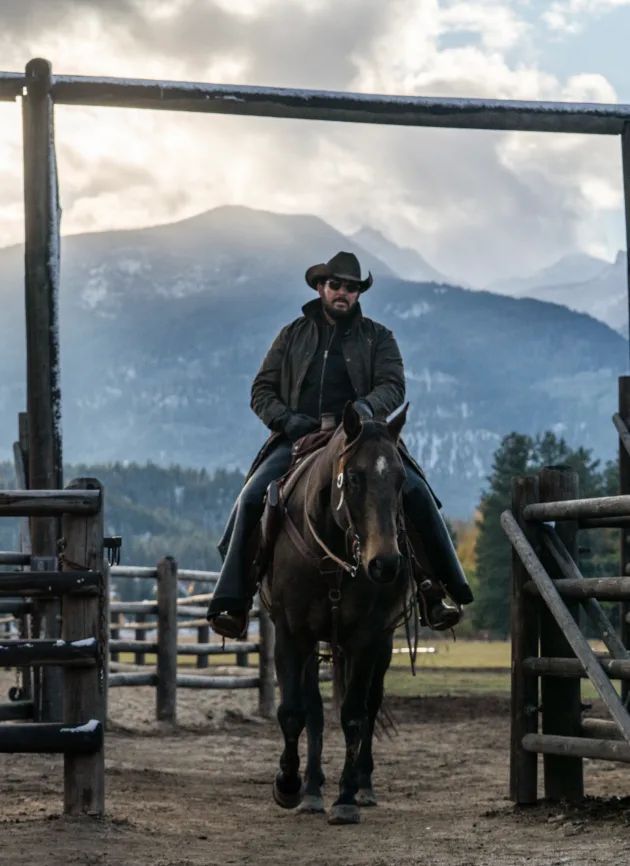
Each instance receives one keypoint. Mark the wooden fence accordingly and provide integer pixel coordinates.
(167, 615)
(81, 650)
(548, 592)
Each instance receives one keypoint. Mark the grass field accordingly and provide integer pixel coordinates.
(463, 667)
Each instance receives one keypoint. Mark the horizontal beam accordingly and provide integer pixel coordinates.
(577, 747)
(52, 737)
(189, 649)
(185, 681)
(48, 652)
(567, 667)
(216, 649)
(15, 606)
(49, 583)
(14, 557)
(11, 85)
(38, 503)
(574, 509)
(133, 607)
(131, 678)
(602, 729)
(148, 573)
(573, 117)
(604, 522)
(15, 710)
(602, 588)
(194, 599)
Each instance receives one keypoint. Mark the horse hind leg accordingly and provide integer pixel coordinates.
(312, 800)
(291, 717)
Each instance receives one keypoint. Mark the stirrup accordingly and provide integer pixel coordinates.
(442, 616)
(230, 624)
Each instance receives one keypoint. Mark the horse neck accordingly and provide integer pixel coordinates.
(318, 477)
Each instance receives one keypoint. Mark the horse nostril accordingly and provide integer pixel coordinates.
(383, 569)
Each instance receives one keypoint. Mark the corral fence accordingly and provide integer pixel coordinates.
(548, 646)
(167, 617)
(81, 585)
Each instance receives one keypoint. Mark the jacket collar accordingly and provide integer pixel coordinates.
(313, 310)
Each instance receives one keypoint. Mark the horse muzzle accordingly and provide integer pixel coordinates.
(384, 569)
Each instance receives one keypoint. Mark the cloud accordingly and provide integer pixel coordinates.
(571, 16)
(478, 204)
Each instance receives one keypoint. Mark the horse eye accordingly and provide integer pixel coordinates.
(353, 478)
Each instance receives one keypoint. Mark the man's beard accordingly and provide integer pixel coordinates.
(340, 313)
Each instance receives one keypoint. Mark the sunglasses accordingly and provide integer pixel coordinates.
(335, 285)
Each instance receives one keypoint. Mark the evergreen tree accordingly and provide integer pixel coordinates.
(492, 553)
(520, 455)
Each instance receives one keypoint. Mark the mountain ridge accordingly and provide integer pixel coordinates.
(161, 338)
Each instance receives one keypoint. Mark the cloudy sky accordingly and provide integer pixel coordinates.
(478, 205)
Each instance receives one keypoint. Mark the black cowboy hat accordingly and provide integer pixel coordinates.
(343, 266)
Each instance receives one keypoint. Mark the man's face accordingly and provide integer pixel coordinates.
(338, 297)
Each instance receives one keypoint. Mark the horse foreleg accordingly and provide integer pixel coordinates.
(312, 800)
(289, 666)
(365, 762)
(354, 721)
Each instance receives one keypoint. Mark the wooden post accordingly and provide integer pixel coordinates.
(525, 634)
(114, 631)
(166, 691)
(85, 616)
(43, 395)
(266, 668)
(140, 634)
(561, 701)
(203, 636)
(624, 487)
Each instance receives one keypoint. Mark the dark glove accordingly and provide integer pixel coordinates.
(363, 408)
(297, 425)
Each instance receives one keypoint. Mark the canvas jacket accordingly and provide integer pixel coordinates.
(372, 358)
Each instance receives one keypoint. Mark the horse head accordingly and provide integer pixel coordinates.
(366, 502)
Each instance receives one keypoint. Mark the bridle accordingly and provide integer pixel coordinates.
(353, 567)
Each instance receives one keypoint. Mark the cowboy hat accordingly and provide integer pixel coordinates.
(343, 266)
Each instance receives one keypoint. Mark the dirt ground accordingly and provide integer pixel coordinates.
(202, 795)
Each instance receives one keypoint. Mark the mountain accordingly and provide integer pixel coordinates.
(403, 261)
(572, 268)
(162, 330)
(580, 282)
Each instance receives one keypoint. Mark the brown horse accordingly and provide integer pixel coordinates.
(338, 575)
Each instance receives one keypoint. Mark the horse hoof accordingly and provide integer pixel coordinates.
(344, 813)
(311, 804)
(366, 797)
(286, 799)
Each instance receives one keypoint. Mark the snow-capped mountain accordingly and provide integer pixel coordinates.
(162, 330)
(579, 282)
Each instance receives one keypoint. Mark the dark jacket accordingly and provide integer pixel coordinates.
(370, 351)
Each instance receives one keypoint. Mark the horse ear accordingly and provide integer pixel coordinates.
(351, 421)
(397, 423)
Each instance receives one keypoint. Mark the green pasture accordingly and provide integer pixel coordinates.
(449, 667)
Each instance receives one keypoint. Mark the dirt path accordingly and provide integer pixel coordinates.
(203, 796)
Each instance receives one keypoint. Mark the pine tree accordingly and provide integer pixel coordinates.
(492, 553)
(520, 455)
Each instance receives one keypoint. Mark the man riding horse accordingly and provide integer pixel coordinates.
(329, 356)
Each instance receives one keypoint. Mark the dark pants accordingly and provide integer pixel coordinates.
(232, 592)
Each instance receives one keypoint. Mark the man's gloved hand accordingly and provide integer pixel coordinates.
(296, 425)
(363, 408)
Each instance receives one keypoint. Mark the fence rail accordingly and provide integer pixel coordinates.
(550, 654)
(171, 614)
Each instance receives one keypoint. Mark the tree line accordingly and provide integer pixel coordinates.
(182, 512)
